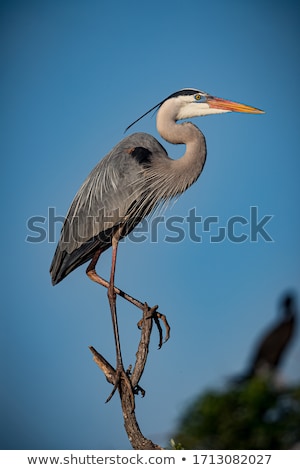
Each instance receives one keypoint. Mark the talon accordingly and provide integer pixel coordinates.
(137, 389)
(156, 317)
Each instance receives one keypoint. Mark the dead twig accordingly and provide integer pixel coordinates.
(135, 436)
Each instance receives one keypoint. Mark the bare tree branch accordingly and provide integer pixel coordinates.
(135, 436)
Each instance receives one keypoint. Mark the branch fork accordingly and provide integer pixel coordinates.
(128, 381)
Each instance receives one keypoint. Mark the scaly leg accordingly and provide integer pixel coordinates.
(120, 372)
(112, 299)
(94, 276)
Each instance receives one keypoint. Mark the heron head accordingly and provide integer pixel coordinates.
(191, 103)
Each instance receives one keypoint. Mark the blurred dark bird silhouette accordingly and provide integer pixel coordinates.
(272, 347)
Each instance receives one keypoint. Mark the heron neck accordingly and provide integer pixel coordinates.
(189, 167)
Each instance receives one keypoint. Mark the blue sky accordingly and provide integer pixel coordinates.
(75, 74)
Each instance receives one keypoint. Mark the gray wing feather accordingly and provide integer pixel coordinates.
(103, 202)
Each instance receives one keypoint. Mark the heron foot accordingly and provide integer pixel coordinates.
(92, 274)
(138, 389)
(156, 317)
(120, 375)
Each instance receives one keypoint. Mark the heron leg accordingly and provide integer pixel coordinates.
(94, 276)
(112, 299)
(111, 293)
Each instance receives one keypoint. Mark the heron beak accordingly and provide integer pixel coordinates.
(219, 103)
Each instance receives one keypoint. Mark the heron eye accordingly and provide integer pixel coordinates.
(198, 97)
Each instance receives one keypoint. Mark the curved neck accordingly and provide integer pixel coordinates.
(189, 167)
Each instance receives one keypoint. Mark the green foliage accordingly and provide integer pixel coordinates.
(255, 415)
(176, 445)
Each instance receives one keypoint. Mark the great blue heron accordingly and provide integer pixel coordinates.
(134, 178)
